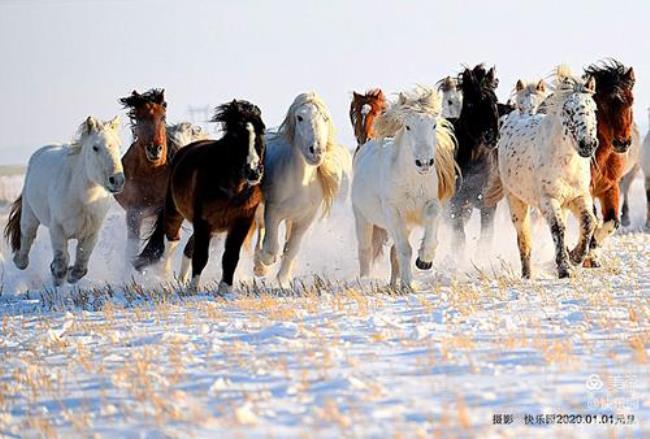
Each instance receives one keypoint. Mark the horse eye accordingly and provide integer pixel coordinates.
(95, 148)
(299, 118)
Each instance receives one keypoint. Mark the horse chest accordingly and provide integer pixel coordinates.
(82, 219)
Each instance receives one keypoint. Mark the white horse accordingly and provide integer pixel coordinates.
(68, 189)
(184, 133)
(305, 168)
(633, 164)
(529, 95)
(403, 181)
(452, 97)
(544, 163)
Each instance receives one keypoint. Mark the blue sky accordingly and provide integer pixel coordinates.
(62, 60)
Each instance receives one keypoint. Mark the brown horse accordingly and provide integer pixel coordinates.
(364, 108)
(145, 163)
(614, 99)
(214, 184)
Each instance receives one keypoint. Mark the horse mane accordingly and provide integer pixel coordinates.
(336, 158)
(474, 81)
(233, 117)
(564, 84)
(426, 101)
(136, 100)
(611, 76)
(447, 83)
(421, 99)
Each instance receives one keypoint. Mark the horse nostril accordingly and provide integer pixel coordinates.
(111, 180)
(431, 162)
(311, 149)
(418, 163)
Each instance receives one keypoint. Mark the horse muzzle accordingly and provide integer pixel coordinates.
(153, 152)
(116, 183)
(621, 146)
(423, 167)
(587, 149)
(254, 176)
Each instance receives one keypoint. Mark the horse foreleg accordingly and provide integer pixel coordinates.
(520, 216)
(553, 213)
(581, 209)
(186, 263)
(133, 225)
(487, 228)
(297, 232)
(234, 240)
(400, 235)
(270, 247)
(609, 202)
(624, 187)
(364, 243)
(394, 265)
(429, 242)
(458, 226)
(28, 228)
(85, 247)
(59, 265)
(200, 251)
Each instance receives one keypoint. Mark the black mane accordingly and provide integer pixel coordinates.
(611, 76)
(136, 100)
(234, 116)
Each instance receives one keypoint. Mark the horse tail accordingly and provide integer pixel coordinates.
(379, 239)
(493, 192)
(155, 244)
(12, 229)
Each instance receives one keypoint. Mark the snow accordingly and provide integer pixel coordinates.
(335, 356)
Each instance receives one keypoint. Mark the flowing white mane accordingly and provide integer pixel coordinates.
(564, 85)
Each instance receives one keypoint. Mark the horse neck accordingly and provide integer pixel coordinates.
(556, 144)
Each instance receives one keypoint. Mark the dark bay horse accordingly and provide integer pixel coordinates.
(364, 108)
(476, 130)
(614, 100)
(145, 163)
(214, 184)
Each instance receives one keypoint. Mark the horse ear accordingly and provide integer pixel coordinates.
(135, 93)
(630, 77)
(541, 86)
(91, 125)
(355, 95)
(590, 85)
(520, 85)
(401, 100)
(492, 77)
(114, 123)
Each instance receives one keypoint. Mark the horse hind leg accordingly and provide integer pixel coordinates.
(59, 265)
(200, 252)
(28, 228)
(625, 184)
(364, 231)
(487, 228)
(186, 262)
(520, 216)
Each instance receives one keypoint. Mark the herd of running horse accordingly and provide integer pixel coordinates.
(433, 154)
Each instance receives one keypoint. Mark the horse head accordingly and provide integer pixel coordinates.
(99, 143)
(479, 116)
(614, 97)
(364, 108)
(148, 113)
(452, 97)
(308, 126)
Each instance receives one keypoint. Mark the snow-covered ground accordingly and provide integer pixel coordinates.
(474, 352)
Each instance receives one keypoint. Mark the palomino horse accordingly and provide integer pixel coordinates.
(544, 163)
(614, 83)
(145, 163)
(67, 189)
(477, 132)
(401, 180)
(305, 169)
(364, 108)
(215, 185)
(452, 97)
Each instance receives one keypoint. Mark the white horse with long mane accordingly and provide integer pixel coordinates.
(544, 163)
(68, 189)
(305, 168)
(401, 179)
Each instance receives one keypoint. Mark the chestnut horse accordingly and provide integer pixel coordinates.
(614, 99)
(214, 184)
(364, 108)
(145, 163)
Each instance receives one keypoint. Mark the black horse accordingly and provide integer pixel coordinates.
(477, 132)
(214, 184)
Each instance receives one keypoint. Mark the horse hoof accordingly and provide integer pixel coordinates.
(75, 274)
(260, 269)
(564, 272)
(591, 263)
(224, 289)
(423, 265)
(625, 221)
